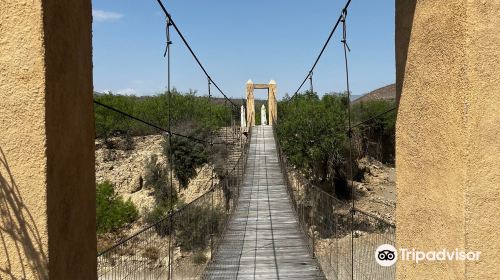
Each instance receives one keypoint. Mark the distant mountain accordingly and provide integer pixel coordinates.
(384, 93)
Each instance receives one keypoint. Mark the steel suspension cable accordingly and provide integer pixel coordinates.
(167, 131)
(322, 49)
(374, 117)
(167, 14)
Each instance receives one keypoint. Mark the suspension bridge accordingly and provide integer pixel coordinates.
(291, 199)
(263, 239)
(256, 221)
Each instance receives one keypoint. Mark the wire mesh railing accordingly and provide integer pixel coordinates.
(194, 229)
(181, 243)
(337, 232)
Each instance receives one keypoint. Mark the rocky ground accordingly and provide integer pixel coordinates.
(377, 190)
(124, 165)
(123, 162)
(126, 168)
(376, 195)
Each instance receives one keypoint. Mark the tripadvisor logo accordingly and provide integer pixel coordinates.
(386, 255)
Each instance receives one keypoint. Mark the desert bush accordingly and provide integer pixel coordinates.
(155, 214)
(182, 107)
(200, 258)
(158, 217)
(157, 177)
(377, 136)
(195, 225)
(312, 133)
(186, 154)
(112, 211)
(151, 253)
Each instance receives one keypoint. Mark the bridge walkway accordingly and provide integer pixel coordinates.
(263, 239)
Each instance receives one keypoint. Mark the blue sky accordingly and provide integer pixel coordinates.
(240, 40)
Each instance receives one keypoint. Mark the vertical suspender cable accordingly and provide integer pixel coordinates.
(322, 50)
(349, 132)
(212, 175)
(225, 136)
(171, 198)
(183, 39)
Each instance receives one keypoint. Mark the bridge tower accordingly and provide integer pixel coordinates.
(272, 106)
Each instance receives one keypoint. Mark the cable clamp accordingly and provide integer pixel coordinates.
(344, 41)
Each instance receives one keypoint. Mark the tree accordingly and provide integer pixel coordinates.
(187, 155)
(312, 134)
(112, 212)
(377, 135)
(182, 108)
(157, 177)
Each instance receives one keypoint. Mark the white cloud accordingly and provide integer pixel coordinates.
(100, 15)
(126, 91)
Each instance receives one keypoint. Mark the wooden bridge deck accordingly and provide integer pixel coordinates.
(263, 240)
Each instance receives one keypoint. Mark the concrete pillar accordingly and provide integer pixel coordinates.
(250, 104)
(272, 106)
(447, 135)
(47, 184)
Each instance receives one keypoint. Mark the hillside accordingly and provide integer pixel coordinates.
(384, 93)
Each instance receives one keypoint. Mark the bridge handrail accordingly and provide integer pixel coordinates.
(171, 214)
(322, 215)
(129, 257)
(300, 177)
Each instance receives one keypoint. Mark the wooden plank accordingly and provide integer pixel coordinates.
(263, 239)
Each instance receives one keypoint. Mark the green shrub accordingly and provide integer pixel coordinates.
(112, 211)
(157, 177)
(193, 233)
(187, 155)
(157, 213)
(151, 253)
(182, 107)
(377, 136)
(312, 133)
(158, 217)
(200, 258)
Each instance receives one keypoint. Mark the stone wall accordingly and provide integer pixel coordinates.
(47, 183)
(447, 138)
